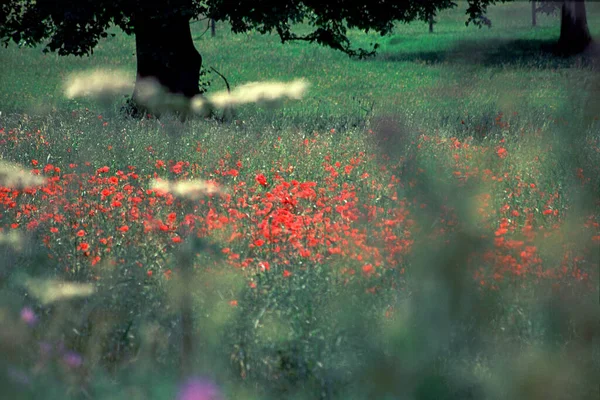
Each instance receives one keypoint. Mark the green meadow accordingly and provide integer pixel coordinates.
(423, 224)
(456, 70)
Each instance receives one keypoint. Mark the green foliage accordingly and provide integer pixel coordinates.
(77, 28)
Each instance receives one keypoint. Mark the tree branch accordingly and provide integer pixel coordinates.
(327, 37)
(225, 79)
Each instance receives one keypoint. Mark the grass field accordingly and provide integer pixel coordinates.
(424, 224)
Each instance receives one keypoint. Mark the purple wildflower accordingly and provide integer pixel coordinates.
(199, 389)
(28, 316)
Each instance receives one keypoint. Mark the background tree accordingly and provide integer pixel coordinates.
(164, 45)
(574, 32)
(432, 8)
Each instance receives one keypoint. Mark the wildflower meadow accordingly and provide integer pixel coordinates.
(424, 224)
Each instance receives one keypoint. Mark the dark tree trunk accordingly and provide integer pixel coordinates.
(166, 52)
(574, 33)
(212, 28)
(533, 14)
(431, 23)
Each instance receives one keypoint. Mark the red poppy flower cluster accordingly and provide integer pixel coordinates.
(351, 216)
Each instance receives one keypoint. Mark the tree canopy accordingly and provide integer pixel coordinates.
(76, 26)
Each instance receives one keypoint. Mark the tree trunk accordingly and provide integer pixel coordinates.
(574, 33)
(431, 23)
(166, 52)
(533, 14)
(212, 28)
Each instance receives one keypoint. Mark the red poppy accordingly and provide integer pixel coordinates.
(261, 179)
(502, 152)
(368, 269)
(83, 246)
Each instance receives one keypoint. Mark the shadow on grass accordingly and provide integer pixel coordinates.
(498, 52)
